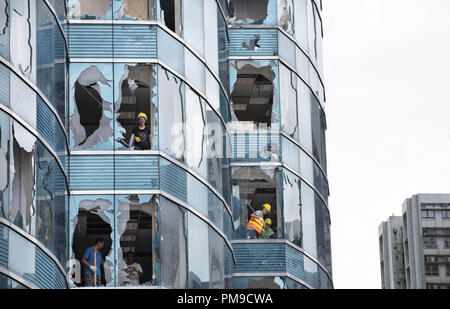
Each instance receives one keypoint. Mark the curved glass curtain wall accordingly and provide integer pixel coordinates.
(33, 183)
(22, 258)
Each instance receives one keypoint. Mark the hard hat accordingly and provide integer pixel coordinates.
(267, 206)
(142, 115)
(268, 221)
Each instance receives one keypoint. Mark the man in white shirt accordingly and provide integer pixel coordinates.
(134, 270)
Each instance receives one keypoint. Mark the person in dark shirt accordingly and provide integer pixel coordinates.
(141, 133)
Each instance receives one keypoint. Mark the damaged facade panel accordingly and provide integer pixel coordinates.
(286, 15)
(91, 111)
(171, 15)
(137, 229)
(252, 12)
(88, 9)
(92, 217)
(171, 100)
(254, 94)
(137, 93)
(134, 9)
(253, 187)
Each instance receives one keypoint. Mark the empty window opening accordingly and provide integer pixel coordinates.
(255, 187)
(171, 15)
(253, 94)
(89, 123)
(93, 221)
(136, 99)
(135, 9)
(137, 230)
(247, 11)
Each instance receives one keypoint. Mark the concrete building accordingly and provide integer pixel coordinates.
(392, 254)
(426, 243)
(233, 97)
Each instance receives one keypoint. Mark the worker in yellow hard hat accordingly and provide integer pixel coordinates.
(141, 133)
(256, 223)
(268, 232)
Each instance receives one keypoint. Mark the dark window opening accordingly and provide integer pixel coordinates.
(252, 97)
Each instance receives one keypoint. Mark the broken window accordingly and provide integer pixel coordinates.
(138, 252)
(254, 96)
(4, 28)
(171, 96)
(252, 188)
(259, 283)
(91, 111)
(51, 74)
(22, 209)
(247, 11)
(4, 164)
(137, 94)
(134, 9)
(193, 27)
(23, 46)
(286, 15)
(292, 206)
(171, 15)
(288, 105)
(93, 217)
(89, 9)
(173, 245)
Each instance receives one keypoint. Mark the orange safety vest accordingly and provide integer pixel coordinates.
(256, 224)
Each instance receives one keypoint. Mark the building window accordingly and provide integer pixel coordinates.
(428, 214)
(431, 269)
(429, 243)
(447, 270)
(447, 243)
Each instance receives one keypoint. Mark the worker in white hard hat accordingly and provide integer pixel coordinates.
(141, 133)
(256, 223)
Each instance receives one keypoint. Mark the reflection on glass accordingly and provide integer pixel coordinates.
(91, 115)
(136, 98)
(94, 218)
(134, 9)
(292, 208)
(254, 96)
(88, 9)
(198, 248)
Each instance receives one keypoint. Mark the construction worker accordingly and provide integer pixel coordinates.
(256, 223)
(92, 260)
(141, 133)
(268, 232)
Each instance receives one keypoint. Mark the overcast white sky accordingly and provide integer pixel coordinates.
(387, 80)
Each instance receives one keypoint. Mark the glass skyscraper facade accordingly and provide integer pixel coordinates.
(233, 99)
